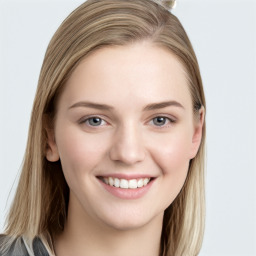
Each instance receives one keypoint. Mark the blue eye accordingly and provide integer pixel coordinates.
(94, 121)
(161, 121)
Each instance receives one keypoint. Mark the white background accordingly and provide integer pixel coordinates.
(223, 34)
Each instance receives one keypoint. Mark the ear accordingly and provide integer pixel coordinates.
(51, 151)
(197, 134)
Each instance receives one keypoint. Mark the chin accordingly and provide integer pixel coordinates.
(125, 225)
(130, 220)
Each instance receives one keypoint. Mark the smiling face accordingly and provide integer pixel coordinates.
(125, 133)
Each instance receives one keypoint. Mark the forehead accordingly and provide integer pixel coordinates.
(140, 70)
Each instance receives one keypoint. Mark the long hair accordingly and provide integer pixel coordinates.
(39, 207)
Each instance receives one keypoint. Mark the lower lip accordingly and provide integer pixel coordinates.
(126, 193)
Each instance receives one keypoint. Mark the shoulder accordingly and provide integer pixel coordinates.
(17, 247)
(10, 246)
(39, 248)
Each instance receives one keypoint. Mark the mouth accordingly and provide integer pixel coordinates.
(126, 183)
(127, 186)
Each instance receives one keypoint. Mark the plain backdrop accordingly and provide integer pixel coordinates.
(223, 34)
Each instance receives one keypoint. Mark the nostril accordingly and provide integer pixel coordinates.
(127, 155)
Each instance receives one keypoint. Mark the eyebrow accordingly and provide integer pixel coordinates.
(149, 107)
(91, 105)
(164, 104)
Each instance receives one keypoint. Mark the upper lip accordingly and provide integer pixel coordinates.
(126, 176)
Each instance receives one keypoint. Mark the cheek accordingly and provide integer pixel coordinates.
(79, 152)
(174, 163)
(171, 152)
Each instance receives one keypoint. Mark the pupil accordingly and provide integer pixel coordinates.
(159, 121)
(95, 121)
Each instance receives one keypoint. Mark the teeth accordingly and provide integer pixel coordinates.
(140, 183)
(116, 182)
(123, 183)
(133, 183)
(110, 181)
(106, 180)
(145, 181)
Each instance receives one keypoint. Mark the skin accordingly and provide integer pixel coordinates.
(128, 140)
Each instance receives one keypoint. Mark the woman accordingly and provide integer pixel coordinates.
(114, 163)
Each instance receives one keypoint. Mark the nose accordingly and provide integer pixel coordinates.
(128, 145)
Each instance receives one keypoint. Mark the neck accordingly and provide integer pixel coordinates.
(85, 236)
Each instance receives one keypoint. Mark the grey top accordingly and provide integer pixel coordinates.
(18, 248)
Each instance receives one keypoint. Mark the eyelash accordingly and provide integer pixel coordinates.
(168, 120)
(85, 121)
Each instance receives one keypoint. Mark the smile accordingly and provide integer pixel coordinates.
(124, 183)
(127, 187)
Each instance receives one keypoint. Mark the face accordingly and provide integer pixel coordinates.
(125, 133)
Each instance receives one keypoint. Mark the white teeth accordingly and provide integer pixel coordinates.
(140, 183)
(133, 183)
(116, 182)
(110, 181)
(145, 181)
(123, 183)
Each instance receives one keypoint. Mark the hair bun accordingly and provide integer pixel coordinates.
(167, 4)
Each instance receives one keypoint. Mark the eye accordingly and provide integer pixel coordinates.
(94, 121)
(161, 121)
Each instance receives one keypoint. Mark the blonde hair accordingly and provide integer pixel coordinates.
(40, 204)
